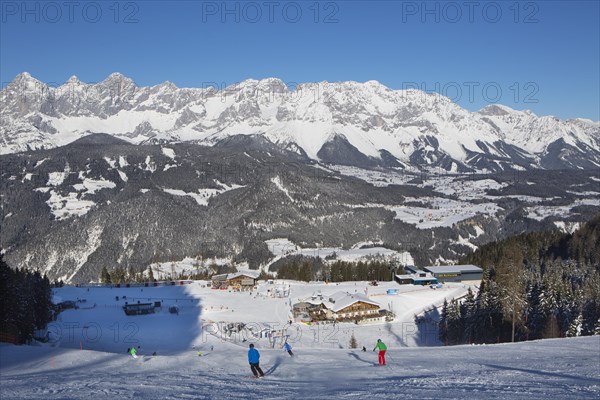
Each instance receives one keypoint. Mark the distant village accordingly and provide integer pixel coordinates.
(351, 307)
(335, 307)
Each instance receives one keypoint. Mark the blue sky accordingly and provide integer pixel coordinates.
(543, 56)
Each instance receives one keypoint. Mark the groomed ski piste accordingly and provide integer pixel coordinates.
(200, 353)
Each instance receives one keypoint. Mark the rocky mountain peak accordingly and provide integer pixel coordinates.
(372, 118)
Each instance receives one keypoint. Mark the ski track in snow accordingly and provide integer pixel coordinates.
(518, 371)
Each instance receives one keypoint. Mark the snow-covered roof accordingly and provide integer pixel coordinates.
(417, 276)
(251, 274)
(454, 269)
(349, 299)
(340, 300)
(223, 277)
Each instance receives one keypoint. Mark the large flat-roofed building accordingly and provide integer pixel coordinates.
(470, 274)
(410, 269)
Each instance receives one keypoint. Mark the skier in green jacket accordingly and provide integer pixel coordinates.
(133, 352)
(382, 348)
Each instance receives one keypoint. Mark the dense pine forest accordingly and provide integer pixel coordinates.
(310, 269)
(25, 303)
(536, 285)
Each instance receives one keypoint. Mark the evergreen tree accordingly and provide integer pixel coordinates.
(576, 327)
(454, 322)
(25, 306)
(305, 273)
(536, 316)
(590, 314)
(264, 276)
(150, 274)
(118, 275)
(42, 299)
(8, 300)
(130, 274)
(105, 276)
(468, 310)
(353, 342)
(25, 302)
(488, 316)
(443, 324)
(551, 330)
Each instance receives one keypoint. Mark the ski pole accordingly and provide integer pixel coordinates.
(389, 357)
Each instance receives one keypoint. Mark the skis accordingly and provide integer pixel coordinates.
(141, 359)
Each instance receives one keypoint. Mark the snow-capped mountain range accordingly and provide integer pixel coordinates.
(360, 124)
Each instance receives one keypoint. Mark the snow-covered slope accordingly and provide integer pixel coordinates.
(342, 123)
(90, 360)
(520, 371)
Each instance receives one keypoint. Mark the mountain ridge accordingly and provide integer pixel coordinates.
(414, 129)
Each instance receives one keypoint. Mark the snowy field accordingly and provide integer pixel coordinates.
(380, 178)
(541, 212)
(468, 193)
(552, 369)
(86, 356)
(100, 323)
(439, 212)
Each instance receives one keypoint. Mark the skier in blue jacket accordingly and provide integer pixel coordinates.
(253, 360)
(288, 348)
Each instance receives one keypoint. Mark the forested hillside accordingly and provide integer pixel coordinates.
(536, 285)
(25, 303)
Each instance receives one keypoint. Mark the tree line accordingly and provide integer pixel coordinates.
(25, 303)
(337, 271)
(120, 275)
(536, 285)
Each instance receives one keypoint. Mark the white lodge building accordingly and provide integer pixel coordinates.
(343, 306)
